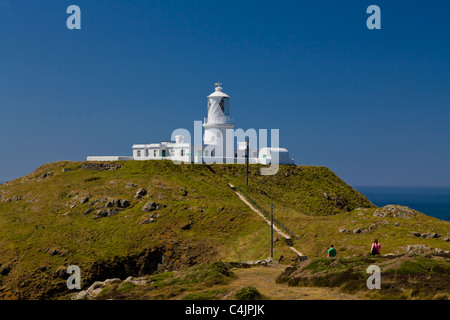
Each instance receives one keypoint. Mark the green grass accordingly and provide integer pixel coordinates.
(46, 213)
(249, 293)
(423, 265)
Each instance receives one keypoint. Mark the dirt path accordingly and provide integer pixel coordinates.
(281, 233)
(263, 278)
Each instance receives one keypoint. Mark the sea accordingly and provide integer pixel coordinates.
(433, 201)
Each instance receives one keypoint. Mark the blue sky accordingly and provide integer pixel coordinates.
(372, 105)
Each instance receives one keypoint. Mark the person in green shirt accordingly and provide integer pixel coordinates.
(331, 252)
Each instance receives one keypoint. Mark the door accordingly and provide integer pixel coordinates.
(163, 152)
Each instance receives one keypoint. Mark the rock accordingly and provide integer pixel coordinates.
(113, 212)
(151, 206)
(356, 231)
(187, 226)
(112, 281)
(446, 239)
(341, 230)
(425, 235)
(82, 295)
(396, 224)
(5, 270)
(95, 289)
(147, 221)
(42, 268)
(137, 281)
(66, 170)
(99, 166)
(140, 193)
(113, 203)
(61, 272)
(102, 213)
(46, 175)
(269, 260)
(130, 185)
(54, 252)
(395, 211)
(83, 200)
(435, 235)
(118, 203)
(124, 203)
(415, 234)
(337, 202)
(439, 250)
(417, 248)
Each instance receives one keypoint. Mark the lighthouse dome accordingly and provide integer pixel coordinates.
(218, 93)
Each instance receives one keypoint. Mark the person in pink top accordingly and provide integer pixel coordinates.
(375, 247)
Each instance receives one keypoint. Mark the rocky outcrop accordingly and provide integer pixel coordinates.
(95, 289)
(100, 166)
(426, 235)
(423, 249)
(56, 252)
(46, 175)
(130, 185)
(118, 203)
(336, 201)
(150, 206)
(151, 218)
(396, 212)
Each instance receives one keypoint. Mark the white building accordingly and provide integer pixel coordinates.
(214, 146)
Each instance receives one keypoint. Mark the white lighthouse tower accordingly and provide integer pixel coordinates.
(218, 120)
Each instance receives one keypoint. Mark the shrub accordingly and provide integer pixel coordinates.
(249, 293)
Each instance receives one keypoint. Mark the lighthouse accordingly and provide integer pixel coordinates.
(218, 120)
(215, 148)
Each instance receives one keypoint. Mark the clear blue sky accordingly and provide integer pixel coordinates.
(372, 105)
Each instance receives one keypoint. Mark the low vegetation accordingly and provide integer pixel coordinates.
(174, 222)
(402, 277)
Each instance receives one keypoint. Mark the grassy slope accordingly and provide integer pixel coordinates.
(43, 218)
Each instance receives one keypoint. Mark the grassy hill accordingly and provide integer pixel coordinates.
(96, 216)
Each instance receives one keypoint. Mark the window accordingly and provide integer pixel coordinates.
(218, 134)
(212, 153)
(182, 152)
(206, 153)
(139, 153)
(225, 106)
(146, 153)
(155, 153)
